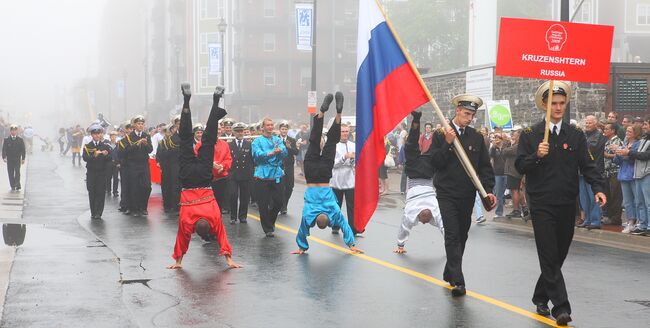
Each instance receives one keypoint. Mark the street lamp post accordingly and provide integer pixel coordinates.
(222, 29)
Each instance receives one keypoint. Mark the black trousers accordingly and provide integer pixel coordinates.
(239, 191)
(269, 201)
(221, 191)
(170, 187)
(288, 182)
(124, 188)
(96, 185)
(139, 187)
(13, 168)
(614, 204)
(112, 175)
(456, 218)
(349, 204)
(553, 227)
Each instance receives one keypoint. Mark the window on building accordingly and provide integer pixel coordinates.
(269, 42)
(269, 76)
(584, 15)
(205, 39)
(269, 8)
(208, 80)
(632, 94)
(643, 14)
(350, 43)
(305, 76)
(211, 9)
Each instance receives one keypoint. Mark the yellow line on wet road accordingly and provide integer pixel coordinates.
(422, 276)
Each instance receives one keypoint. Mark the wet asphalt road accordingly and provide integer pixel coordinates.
(64, 276)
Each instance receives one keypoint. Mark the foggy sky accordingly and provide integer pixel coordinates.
(47, 45)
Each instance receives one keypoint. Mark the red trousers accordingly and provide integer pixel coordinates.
(199, 204)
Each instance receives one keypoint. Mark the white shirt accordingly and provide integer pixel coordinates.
(559, 126)
(154, 142)
(86, 140)
(343, 171)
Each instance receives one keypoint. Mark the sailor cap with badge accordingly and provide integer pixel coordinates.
(198, 127)
(239, 126)
(559, 88)
(467, 101)
(137, 119)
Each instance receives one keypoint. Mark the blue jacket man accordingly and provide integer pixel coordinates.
(268, 153)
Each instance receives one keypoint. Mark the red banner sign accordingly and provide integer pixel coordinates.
(553, 50)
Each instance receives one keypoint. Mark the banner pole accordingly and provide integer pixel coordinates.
(549, 101)
(458, 147)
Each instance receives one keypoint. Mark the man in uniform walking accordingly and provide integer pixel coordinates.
(124, 169)
(137, 157)
(13, 153)
(97, 155)
(551, 170)
(241, 174)
(455, 190)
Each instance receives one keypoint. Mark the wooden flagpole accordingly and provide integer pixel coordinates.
(458, 147)
(549, 101)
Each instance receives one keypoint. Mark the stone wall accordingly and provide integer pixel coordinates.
(588, 98)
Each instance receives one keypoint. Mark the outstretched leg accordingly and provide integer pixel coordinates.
(313, 150)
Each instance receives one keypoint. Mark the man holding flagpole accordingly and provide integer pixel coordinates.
(455, 190)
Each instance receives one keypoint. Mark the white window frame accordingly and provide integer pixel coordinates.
(269, 72)
(203, 77)
(204, 40)
(203, 9)
(637, 15)
(350, 43)
(586, 10)
(269, 39)
(269, 8)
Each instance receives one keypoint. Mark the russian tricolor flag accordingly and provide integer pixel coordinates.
(387, 91)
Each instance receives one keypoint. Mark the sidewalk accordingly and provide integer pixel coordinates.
(11, 211)
(610, 235)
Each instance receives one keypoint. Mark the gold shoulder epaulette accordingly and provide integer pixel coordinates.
(440, 131)
(577, 128)
(528, 130)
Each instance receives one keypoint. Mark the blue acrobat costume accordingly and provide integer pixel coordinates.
(318, 170)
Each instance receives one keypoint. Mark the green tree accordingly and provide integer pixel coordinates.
(433, 31)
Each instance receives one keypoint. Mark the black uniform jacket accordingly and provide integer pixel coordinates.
(553, 180)
(450, 178)
(13, 149)
(292, 151)
(242, 161)
(137, 154)
(96, 163)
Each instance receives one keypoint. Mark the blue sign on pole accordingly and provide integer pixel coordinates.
(304, 25)
(214, 58)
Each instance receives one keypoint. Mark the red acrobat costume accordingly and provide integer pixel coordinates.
(197, 197)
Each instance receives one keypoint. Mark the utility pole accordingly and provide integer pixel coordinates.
(313, 50)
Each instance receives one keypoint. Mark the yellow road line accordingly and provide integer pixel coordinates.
(422, 276)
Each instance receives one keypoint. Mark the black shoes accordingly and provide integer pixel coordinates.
(144, 213)
(592, 227)
(233, 221)
(326, 103)
(335, 232)
(542, 309)
(243, 221)
(458, 290)
(270, 234)
(563, 319)
(339, 102)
